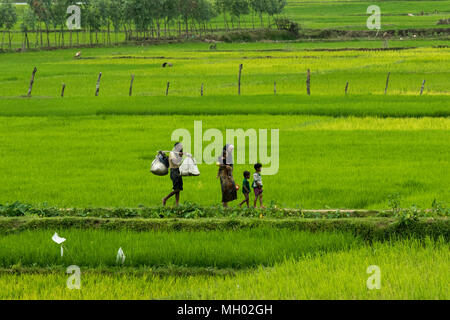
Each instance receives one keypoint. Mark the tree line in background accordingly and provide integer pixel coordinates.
(137, 19)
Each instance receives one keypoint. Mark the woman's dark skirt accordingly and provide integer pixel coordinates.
(177, 179)
(229, 192)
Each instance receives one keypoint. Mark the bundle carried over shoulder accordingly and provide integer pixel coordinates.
(160, 166)
(189, 167)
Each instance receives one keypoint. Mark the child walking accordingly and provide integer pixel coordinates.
(257, 185)
(246, 189)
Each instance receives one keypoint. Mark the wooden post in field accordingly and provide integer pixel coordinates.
(274, 87)
(308, 82)
(239, 81)
(32, 81)
(131, 84)
(346, 88)
(62, 90)
(201, 90)
(423, 86)
(167, 88)
(387, 83)
(97, 88)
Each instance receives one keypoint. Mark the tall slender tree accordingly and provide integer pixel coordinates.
(171, 12)
(29, 23)
(275, 7)
(58, 12)
(8, 18)
(187, 9)
(43, 11)
(204, 13)
(224, 7)
(259, 7)
(238, 9)
(116, 14)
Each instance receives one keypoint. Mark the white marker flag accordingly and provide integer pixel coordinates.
(59, 240)
(120, 256)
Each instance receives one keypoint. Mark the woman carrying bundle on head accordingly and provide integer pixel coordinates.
(225, 173)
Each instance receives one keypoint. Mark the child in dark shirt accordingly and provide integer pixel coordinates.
(246, 189)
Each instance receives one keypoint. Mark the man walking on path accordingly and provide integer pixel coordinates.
(175, 160)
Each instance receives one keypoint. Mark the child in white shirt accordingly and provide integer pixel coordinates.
(257, 185)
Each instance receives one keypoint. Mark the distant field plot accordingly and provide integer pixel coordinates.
(324, 161)
(194, 64)
(352, 15)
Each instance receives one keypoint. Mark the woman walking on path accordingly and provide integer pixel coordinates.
(175, 159)
(225, 174)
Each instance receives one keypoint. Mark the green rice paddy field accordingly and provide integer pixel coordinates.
(337, 150)
(352, 15)
(308, 266)
(349, 151)
(104, 161)
(194, 64)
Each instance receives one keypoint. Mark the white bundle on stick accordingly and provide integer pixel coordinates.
(189, 167)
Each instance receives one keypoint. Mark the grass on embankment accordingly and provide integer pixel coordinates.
(218, 249)
(334, 106)
(409, 270)
(365, 228)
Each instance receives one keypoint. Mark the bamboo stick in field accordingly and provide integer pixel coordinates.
(97, 88)
(423, 86)
(62, 90)
(308, 82)
(387, 83)
(346, 87)
(201, 90)
(131, 85)
(32, 81)
(239, 81)
(167, 88)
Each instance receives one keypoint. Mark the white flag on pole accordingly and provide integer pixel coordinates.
(58, 239)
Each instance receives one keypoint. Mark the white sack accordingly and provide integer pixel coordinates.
(159, 168)
(189, 167)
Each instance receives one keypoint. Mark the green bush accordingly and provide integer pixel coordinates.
(257, 35)
(15, 209)
(444, 21)
(284, 23)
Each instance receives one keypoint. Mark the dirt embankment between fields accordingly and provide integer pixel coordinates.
(370, 229)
